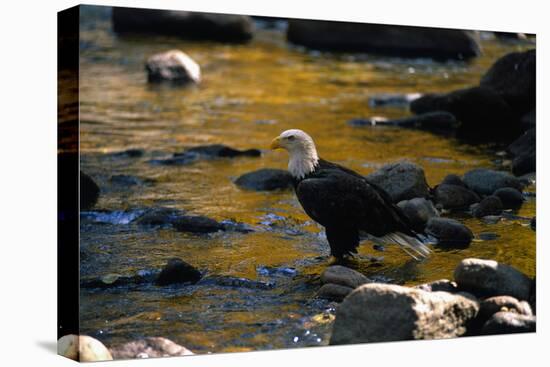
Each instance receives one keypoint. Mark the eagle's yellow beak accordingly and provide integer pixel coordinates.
(275, 144)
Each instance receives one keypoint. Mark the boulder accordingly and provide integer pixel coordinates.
(404, 41)
(82, 348)
(418, 211)
(442, 285)
(486, 181)
(491, 205)
(220, 151)
(177, 271)
(488, 278)
(173, 66)
(524, 151)
(344, 276)
(197, 224)
(183, 24)
(449, 233)
(509, 323)
(492, 305)
(450, 196)
(524, 163)
(509, 197)
(151, 347)
(513, 77)
(386, 312)
(401, 180)
(266, 179)
(333, 292)
(453, 179)
(89, 192)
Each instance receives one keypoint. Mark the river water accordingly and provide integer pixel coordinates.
(249, 94)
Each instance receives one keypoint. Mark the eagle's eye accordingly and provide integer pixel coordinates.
(291, 137)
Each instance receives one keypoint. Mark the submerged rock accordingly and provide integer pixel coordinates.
(489, 278)
(509, 197)
(184, 24)
(159, 216)
(89, 192)
(173, 66)
(403, 41)
(344, 276)
(486, 181)
(151, 347)
(177, 271)
(265, 179)
(384, 312)
(418, 211)
(401, 180)
(229, 281)
(509, 323)
(221, 151)
(491, 205)
(449, 233)
(83, 348)
(197, 224)
(450, 196)
(333, 292)
(116, 280)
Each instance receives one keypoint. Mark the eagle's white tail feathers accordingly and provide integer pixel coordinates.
(413, 246)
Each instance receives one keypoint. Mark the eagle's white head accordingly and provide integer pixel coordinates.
(301, 149)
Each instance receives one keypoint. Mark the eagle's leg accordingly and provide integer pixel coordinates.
(342, 241)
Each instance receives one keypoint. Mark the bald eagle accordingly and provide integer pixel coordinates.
(344, 202)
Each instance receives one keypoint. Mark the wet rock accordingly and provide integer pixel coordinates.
(513, 77)
(437, 121)
(333, 292)
(525, 143)
(89, 192)
(486, 181)
(483, 114)
(418, 211)
(129, 153)
(386, 312)
(128, 180)
(509, 323)
(220, 151)
(230, 225)
(173, 66)
(523, 149)
(82, 348)
(442, 285)
(509, 197)
(392, 99)
(229, 281)
(492, 305)
(524, 163)
(116, 280)
(528, 179)
(533, 223)
(489, 278)
(401, 180)
(197, 224)
(449, 233)
(177, 271)
(184, 24)
(159, 216)
(450, 196)
(491, 205)
(452, 179)
(371, 121)
(151, 347)
(400, 41)
(265, 179)
(344, 276)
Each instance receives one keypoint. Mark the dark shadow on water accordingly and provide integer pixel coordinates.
(50, 346)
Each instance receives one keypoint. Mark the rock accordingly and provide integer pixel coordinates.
(178, 271)
(442, 285)
(509, 197)
(450, 196)
(82, 348)
(116, 280)
(533, 296)
(491, 205)
(528, 179)
(418, 211)
(386, 312)
(184, 24)
(509, 323)
(344, 276)
(371, 121)
(221, 151)
(266, 179)
(533, 223)
(392, 99)
(149, 348)
(401, 180)
(229, 281)
(453, 179)
(449, 233)
(333, 292)
(172, 66)
(524, 163)
(89, 192)
(437, 121)
(482, 112)
(524, 151)
(128, 180)
(129, 153)
(492, 305)
(486, 181)
(400, 41)
(513, 77)
(197, 224)
(489, 278)
(159, 217)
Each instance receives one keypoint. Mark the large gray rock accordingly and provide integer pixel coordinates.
(344, 276)
(489, 278)
(184, 24)
(174, 66)
(384, 39)
(82, 348)
(450, 196)
(486, 181)
(450, 233)
(418, 211)
(401, 180)
(333, 292)
(509, 323)
(265, 179)
(151, 347)
(385, 312)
